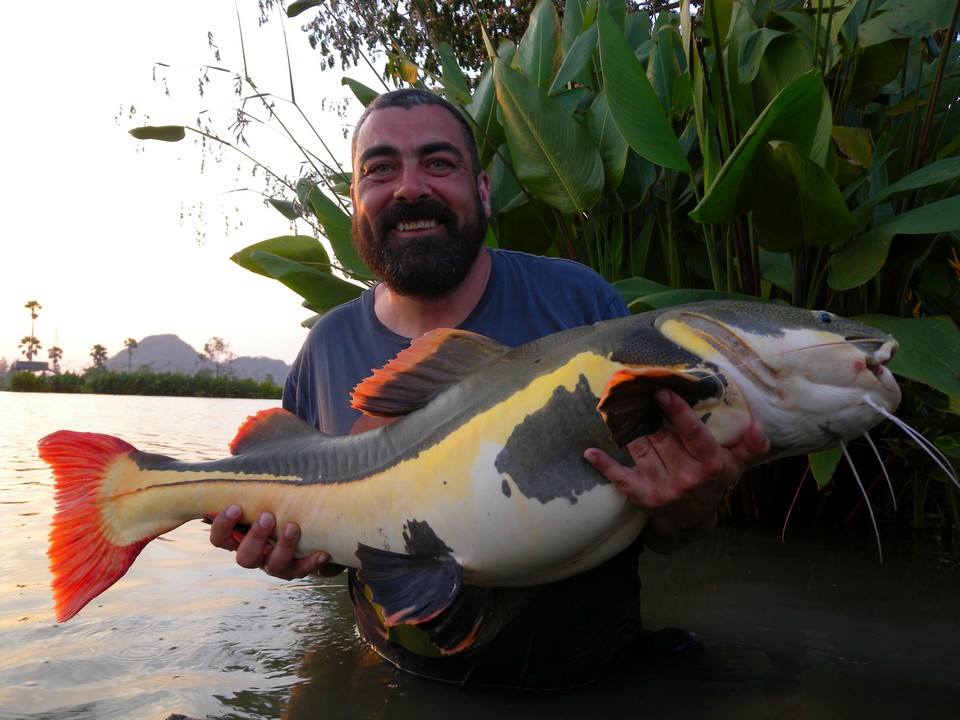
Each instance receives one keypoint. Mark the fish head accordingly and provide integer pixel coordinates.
(809, 377)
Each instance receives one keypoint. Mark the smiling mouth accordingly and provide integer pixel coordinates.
(410, 226)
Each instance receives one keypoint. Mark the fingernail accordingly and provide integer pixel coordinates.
(663, 398)
(265, 521)
(233, 512)
(590, 456)
(290, 531)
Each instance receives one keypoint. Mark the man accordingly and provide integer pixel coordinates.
(421, 205)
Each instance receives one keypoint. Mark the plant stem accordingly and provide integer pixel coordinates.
(935, 90)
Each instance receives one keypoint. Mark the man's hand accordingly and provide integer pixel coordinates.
(256, 549)
(680, 473)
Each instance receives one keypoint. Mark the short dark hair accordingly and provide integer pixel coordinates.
(407, 98)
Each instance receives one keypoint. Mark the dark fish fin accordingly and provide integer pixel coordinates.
(627, 405)
(433, 362)
(267, 426)
(474, 618)
(411, 589)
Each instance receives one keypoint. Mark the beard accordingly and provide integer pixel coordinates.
(428, 266)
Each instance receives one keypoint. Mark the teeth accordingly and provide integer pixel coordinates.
(416, 225)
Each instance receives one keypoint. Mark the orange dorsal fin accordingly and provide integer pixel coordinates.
(433, 362)
(267, 426)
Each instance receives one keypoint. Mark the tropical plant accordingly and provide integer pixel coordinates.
(56, 355)
(790, 150)
(130, 344)
(29, 346)
(98, 353)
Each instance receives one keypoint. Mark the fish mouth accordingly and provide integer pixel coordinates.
(877, 360)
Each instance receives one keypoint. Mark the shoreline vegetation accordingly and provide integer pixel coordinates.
(143, 382)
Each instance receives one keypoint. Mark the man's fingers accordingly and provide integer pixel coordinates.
(694, 435)
(221, 529)
(752, 447)
(631, 482)
(250, 553)
(280, 558)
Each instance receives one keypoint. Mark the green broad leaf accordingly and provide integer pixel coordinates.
(637, 287)
(165, 133)
(662, 70)
(617, 9)
(552, 153)
(537, 51)
(295, 8)
(637, 29)
(823, 464)
(795, 202)
(572, 24)
(949, 445)
(753, 45)
(792, 116)
(298, 248)
(576, 59)
(929, 349)
(670, 298)
(336, 226)
(905, 19)
(777, 269)
(856, 143)
(483, 109)
(364, 94)
(454, 81)
(606, 136)
(864, 256)
(285, 208)
(880, 64)
(721, 13)
(505, 192)
(320, 288)
(638, 114)
(931, 174)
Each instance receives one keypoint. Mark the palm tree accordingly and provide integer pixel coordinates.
(130, 344)
(99, 354)
(33, 306)
(30, 346)
(55, 354)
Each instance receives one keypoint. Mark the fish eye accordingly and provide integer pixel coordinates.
(823, 316)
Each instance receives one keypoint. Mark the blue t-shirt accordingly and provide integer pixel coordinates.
(552, 636)
(526, 297)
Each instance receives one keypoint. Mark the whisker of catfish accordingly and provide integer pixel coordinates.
(866, 498)
(928, 447)
(786, 520)
(883, 467)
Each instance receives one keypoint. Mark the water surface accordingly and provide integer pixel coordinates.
(813, 628)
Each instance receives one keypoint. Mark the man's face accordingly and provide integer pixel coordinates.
(419, 212)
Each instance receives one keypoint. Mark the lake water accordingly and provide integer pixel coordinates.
(814, 628)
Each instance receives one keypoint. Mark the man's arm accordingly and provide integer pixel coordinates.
(680, 473)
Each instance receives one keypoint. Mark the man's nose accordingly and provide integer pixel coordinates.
(412, 184)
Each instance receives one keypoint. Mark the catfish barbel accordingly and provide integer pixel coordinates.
(482, 482)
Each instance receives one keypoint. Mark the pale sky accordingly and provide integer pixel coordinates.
(91, 222)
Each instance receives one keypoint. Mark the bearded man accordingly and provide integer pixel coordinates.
(421, 204)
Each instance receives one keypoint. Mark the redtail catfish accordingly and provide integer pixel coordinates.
(482, 482)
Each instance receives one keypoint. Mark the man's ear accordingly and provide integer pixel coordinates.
(483, 187)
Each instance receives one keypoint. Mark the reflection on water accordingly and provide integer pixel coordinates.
(814, 628)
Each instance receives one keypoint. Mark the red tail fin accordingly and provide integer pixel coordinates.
(83, 560)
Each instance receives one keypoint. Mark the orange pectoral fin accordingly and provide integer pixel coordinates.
(627, 403)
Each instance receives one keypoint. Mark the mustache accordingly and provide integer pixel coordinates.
(424, 209)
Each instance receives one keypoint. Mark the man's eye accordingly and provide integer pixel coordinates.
(439, 164)
(378, 169)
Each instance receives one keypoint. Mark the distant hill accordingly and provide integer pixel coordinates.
(169, 354)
